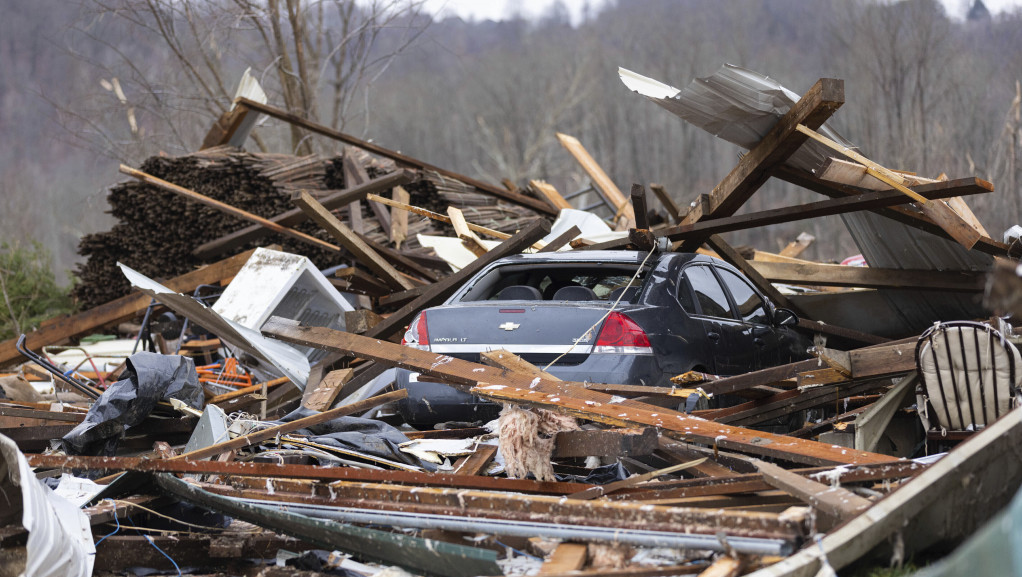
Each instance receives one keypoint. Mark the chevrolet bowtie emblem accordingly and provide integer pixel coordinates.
(509, 326)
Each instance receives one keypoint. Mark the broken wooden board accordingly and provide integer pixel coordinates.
(812, 110)
(468, 237)
(358, 249)
(605, 443)
(571, 398)
(938, 505)
(401, 159)
(797, 246)
(322, 396)
(868, 277)
(398, 217)
(672, 207)
(561, 239)
(566, 557)
(297, 216)
(832, 500)
(550, 194)
(625, 216)
(360, 320)
(119, 310)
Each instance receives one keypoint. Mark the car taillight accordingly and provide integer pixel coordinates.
(417, 334)
(620, 334)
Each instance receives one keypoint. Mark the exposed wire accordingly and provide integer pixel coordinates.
(522, 553)
(116, 520)
(604, 317)
(158, 514)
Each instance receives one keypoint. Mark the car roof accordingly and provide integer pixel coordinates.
(609, 256)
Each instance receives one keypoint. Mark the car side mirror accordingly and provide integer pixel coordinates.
(785, 318)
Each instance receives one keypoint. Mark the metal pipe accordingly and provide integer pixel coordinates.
(749, 545)
(84, 389)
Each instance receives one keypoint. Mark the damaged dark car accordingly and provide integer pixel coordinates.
(600, 317)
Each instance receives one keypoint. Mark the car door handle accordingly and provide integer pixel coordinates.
(760, 331)
(759, 342)
(713, 336)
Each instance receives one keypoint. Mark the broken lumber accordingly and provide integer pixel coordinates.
(868, 277)
(566, 397)
(352, 243)
(297, 216)
(832, 500)
(624, 218)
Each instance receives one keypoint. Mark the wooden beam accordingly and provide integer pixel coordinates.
(224, 128)
(477, 462)
(797, 246)
(835, 501)
(561, 240)
(469, 239)
(566, 557)
(638, 194)
(398, 217)
(812, 110)
(436, 293)
(226, 208)
(358, 281)
(399, 260)
(627, 442)
(438, 217)
(119, 310)
(868, 277)
(296, 216)
(401, 159)
(625, 217)
(360, 176)
(905, 216)
(862, 201)
(550, 193)
(322, 396)
(672, 207)
(571, 398)
(352, 243)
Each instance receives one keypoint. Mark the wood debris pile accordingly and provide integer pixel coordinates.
(829, 460)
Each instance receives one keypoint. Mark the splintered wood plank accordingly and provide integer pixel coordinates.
(436, 293)
(358, 281)
(571, 398)
(468, 238)
(606, 443)
(511, 362)
(550, 193)
(119, 310)
(477, 462)
(352, 243)
(835, 501)
(360, 321)
(322, 396)
(226, 208)
(401, 159)
(224, 128)
(561, 239)
(798, 246)
(638, 197)
(566, 557)
(352, 179)
(812, 110)
(725, 566)
(398, 217)
(625, 217)
(357, 174)
(400, 261)
(437, 216)
(296, 216)
(682, 454)
(869, 277)
(665, 199)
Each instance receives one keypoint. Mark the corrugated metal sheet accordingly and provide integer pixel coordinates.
(741, 106)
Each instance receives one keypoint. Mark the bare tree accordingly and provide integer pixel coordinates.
(170, 66)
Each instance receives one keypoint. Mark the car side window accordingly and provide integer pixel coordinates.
(750, 306)
(708, 292)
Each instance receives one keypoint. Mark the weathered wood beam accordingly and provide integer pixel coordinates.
(835, 501)
(561, 239)
(350, 241)
(606, 443)
(550, 193)
(912, 218)
(812, 110)
(401, 159)
(505, 386)
(868, 277)
(296, 216)
(729, 254)
(625, 216)
(672, 207)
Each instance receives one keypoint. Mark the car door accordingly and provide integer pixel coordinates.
(767, 340)
(729, 339)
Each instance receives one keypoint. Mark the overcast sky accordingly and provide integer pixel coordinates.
(501, 9)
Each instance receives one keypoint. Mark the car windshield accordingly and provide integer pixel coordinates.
(557, 281)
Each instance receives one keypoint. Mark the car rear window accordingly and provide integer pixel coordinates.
(606, 281)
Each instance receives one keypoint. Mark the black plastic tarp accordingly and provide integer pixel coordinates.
(148, 378)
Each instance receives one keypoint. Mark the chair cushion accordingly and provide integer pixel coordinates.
(574, 293)
(519, 292)
(968, 372)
